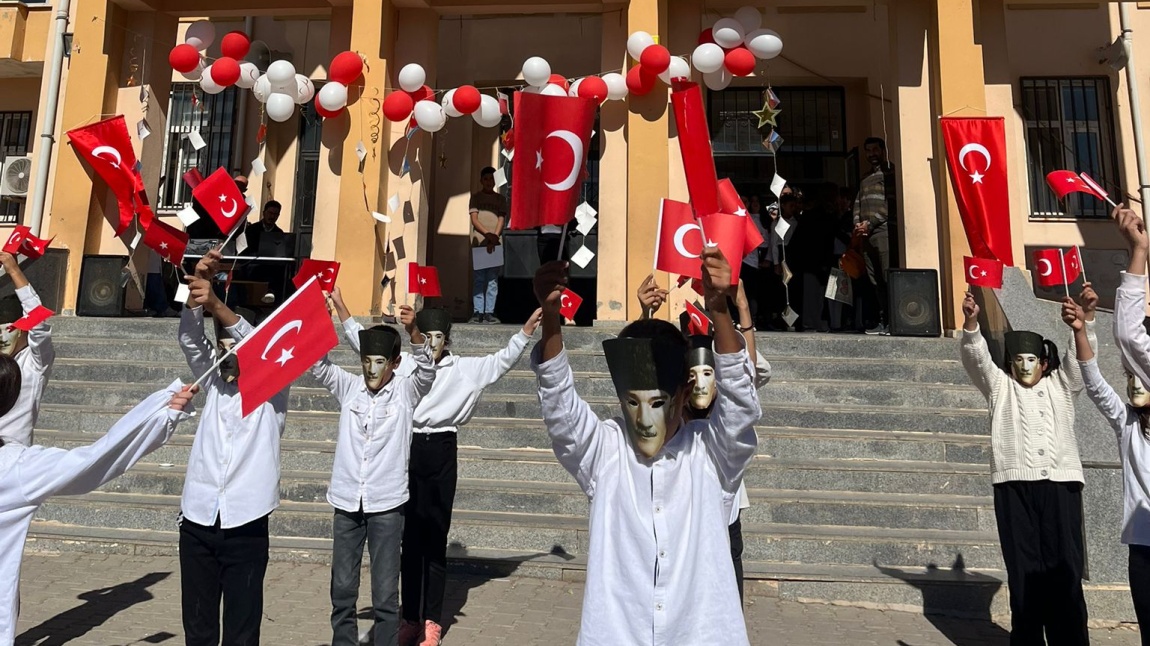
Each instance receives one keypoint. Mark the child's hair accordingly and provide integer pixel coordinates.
(1050, 356)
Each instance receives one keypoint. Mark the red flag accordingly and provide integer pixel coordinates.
(569, 303)
(22, 242)
(1096, 188)
(700, 322)
(679, 241)
(107, 149)
(32, 319)
(695, 147)
(222, 199)
(166, 240)
(193, 178)
(551, 139)
(730, 202)
(325, 271)
(423, 281)
(1049, 267)
(729, 232)
(1072, 264)
(983, 272)
(976, 156)
(1065, 182)
(284, 346)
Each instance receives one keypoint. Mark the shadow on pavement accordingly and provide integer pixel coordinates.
(99, 606)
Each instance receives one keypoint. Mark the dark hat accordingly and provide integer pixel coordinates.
(701, 352)
(380, 340)
(1024, 343)
(645, 364)
(10, 309)
(433, 319)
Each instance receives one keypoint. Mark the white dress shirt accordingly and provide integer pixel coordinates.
(374, 443)
(30, 475)
(762, 369)
(459, 381)
(1129, 334)
(234, 467)
(35, 363)
(659, 568)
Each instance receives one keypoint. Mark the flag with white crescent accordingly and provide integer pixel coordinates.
(569, 303)
(983, 272)
(107, 149)
(976, 158)
(284, 346)
(326, 271)
(22, 243)
(222, 199)
(552, 135)
(679, 241)
(1050, 268)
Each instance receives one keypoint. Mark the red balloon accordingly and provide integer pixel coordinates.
(398, 106)
(225, 71)
(640, 81)
(466, 99)
(740, 61)
(655, 59)
(184, 58)
(557, 79)
(235, 44)
(345, 68)
(422, 94)
(593, 87)
(324, 112)
(707, 36)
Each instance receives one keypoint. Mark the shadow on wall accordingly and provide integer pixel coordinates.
(956, 602)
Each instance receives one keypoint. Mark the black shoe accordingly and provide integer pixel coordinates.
(489, 319)
(475, 318)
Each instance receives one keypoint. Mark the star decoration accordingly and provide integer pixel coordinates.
(163, 245)
(768, 116)
(740, 211)
(538, 159)
(976, 177)
(223, 198)
(285, 356)
(983, 273)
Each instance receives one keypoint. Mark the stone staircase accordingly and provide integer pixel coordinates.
(871, 481)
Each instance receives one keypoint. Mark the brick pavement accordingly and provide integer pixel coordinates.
(115, 600)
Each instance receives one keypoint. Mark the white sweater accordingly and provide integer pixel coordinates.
(1031, 429)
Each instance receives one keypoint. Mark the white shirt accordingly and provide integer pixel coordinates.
(762, 369)
(234, 467)
(30, 475)
(374, 443)
(659, 568)
(459, 381)
(35, 363)
(1129, 334)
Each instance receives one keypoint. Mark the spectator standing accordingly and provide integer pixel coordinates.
(488, 211)
(876, 217)
(266, 239)
(751, 273)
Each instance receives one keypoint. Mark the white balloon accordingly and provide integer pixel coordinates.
(553, 90)
(764, 43)
(281, 73)
(412, 77)
(333, 96)
(249, 74)
(208, 84)
(262, 88)
(304, 89)
(197, 73)
(531, 89)
(200, 34)
(708, 58)
(678, 69)
(488, 115)
(728, 32)
(536, 71)
(616, 86)
(717, 80)
(637, 42)
(430, 116)
(280, 107)
(449, 105)
(750, 18)
(574, 91)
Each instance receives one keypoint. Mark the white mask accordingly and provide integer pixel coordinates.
(701, 379)
(12, 340)
(649, 414)
(1027, 369)
(376, 370)
(1137, 392)
(438, 341)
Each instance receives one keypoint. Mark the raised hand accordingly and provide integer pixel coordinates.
(201, 293)
(532, 323)
(181, 399)
(970, 310)
(209, 265)
(407, 317)
(716, 277)
(1132, 226)
(1088, 299)
(550, 281)
(651, 297)
(1072, 314)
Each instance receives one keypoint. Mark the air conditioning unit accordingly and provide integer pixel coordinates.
(16, 177)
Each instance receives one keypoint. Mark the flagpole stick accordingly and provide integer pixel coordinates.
(216, 366)
(1062, 263)
(563, 240)
(1082, 265)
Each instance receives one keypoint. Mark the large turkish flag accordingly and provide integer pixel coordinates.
(552, 134)
(695, 147)
(976, 156)
(107, 149)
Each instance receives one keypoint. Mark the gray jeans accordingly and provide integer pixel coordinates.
(383, 532)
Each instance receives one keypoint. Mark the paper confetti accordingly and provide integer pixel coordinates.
(258, 167)
(188, 216)
(777, 185)
(393, 203)
(360, 151)
(500, 177)
(182, 293)
(381, 217)
(196, 140)
(583, 257)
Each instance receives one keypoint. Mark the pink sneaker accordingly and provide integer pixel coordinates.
(410, 633)
(431, 634)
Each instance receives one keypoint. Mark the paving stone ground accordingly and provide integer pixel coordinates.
(115, 600)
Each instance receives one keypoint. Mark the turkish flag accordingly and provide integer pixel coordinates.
(695, 147)
(193, 178)
(166, 240)
(325, 271)
(679, 241)
(730, 202)
(423, 281)
(976, 157)
(569, 303)
(700, 322)
(222, 200)
(1065, 182)
(983, 272)
(1072, 264)
(1049, 267)
(729, 232)
(23, 243)
(107, 149)
(32, 319)
(285, 345)
(552, 134)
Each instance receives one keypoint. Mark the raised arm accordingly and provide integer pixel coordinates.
(40, 337)
(1105, 399)
(423, 377)
(1130, 300)
(1073, 315)
(576, 436)
(980, 366)
(651, 297)
(194, 343)
(493, 367)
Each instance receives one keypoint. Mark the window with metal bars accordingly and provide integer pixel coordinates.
(15, 133)
(812, 120)
(214, 116)
(1069, 126)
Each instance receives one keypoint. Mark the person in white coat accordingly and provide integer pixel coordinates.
(33, 351)
(29, 475)
(659, 571)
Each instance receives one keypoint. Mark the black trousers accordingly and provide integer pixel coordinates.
(1140, 588)
(735, 530)
(1040, 528)
(432, 476)
(220, 563)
